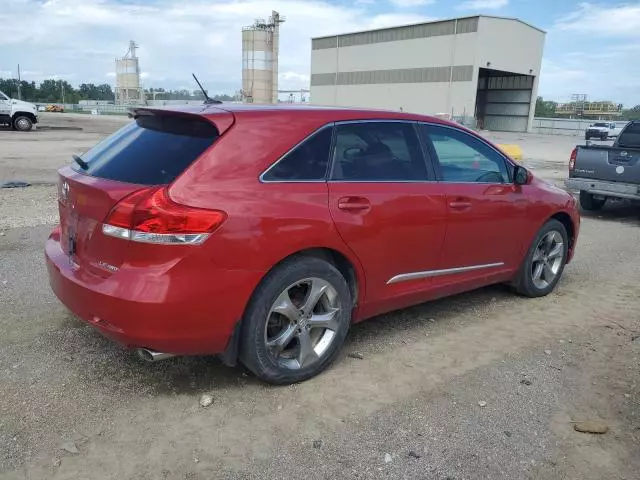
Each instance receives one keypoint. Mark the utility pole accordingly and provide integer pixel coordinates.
(62, 86)
(19, 92)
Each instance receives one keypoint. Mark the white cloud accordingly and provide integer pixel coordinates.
(603, 20)
(410, 3)
(574, 72)
(483, 5)
(176, 37)
(293, 81)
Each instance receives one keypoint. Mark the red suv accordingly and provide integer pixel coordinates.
(261, 234)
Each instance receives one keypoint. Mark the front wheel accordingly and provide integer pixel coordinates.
(589, 202)
(545, 261)
(296, 321)
(22, 123)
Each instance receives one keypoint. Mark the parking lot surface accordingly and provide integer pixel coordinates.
(481, 385)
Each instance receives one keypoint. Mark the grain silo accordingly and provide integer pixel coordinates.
(260, 60)
(128, 90)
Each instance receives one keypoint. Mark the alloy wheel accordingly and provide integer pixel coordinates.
(302, 323)
(547, 259)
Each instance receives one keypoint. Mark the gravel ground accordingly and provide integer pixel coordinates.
(28, 207)
(482, 385)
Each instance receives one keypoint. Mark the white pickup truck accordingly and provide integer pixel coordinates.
(602, 130)
(17, 114)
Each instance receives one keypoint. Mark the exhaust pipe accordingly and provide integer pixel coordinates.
(151, 356)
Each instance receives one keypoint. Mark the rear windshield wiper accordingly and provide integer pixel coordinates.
(83, 165)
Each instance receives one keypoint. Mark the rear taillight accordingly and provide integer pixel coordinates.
(572, 159)
(149, 215)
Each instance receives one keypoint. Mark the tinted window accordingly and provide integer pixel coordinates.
(378, 151)
(152, 150)
(630, 136)
(463, 158)
(308, 161)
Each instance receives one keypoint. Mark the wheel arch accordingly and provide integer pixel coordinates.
(29, 115)
(565, 219)
(346, 266)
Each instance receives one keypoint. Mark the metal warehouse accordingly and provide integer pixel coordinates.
(482, 69)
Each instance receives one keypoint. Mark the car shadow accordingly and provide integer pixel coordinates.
(115, 367)
(618, 211)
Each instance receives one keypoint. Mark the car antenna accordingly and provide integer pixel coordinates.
(207, 100)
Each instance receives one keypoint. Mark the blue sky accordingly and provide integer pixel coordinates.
(591, 47)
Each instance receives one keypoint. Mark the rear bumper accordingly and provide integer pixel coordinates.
(604, 188)
(182, 311)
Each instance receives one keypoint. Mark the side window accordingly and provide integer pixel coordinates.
(307, 161)
(378, 151)
(463, 158)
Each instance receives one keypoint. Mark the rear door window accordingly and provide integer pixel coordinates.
(152, 150)
(378, 152)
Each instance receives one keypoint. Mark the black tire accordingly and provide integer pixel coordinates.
(590, 203)
(22, 123)
(524, 283)
(254, 352)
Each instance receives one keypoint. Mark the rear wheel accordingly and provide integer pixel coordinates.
(296, 321)
(589, 202)
(545, 261)
(22, 123)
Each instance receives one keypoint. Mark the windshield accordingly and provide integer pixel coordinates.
(599, 124)
(3, 96)
(630, 136)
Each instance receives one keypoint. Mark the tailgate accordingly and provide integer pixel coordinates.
(151, 151)
(84, 202)
(608, 163)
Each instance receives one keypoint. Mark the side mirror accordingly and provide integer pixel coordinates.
(520, 175)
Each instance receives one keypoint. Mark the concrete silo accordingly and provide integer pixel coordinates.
(128, 89)
(260, 60)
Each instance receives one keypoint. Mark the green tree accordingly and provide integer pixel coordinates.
(631, 113)
(545, 108)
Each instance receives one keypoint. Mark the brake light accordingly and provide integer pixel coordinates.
(572, 159)
(149, 215)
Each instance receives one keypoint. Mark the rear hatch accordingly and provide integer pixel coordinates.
(148, 153)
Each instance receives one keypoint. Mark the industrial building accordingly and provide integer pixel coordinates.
(482, 70)
(260, 49)
(128, 88)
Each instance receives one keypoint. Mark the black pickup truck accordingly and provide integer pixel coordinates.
(602, 172)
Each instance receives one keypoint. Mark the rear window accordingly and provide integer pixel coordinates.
(152, 150)
(630, 136)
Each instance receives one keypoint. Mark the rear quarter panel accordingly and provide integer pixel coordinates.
(267, 222)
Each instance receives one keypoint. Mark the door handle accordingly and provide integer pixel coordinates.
(460, 204)
(354, 203)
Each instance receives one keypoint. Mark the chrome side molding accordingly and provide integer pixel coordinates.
(403, 277)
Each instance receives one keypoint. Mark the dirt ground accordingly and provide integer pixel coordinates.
(481, 385)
